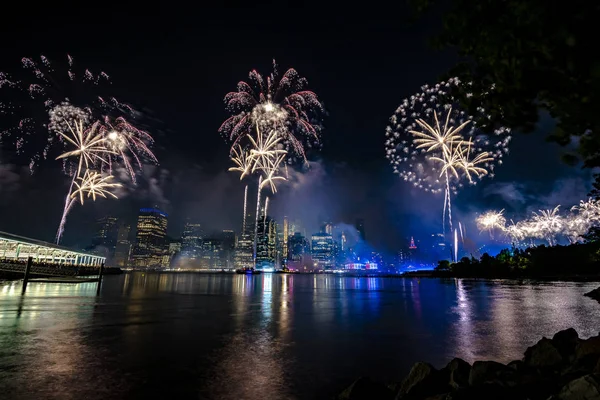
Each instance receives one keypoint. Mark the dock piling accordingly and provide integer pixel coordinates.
(100, 279)
(26, 277)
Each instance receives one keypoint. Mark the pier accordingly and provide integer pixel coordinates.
(38, 261)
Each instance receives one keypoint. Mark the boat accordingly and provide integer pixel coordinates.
(247, 271)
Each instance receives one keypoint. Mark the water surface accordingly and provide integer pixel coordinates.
(268, 336)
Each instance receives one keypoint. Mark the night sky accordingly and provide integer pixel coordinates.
(176, 70)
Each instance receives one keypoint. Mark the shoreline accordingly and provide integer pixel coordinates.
(562, 368)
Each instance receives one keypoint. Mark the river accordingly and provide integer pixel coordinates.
(270, 336)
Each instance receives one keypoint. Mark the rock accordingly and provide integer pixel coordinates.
(543, 355)
(423, 381)
(584, 388)
(594, 294)
(459, 371)
(487, 391)
(366, 389)
(588, 347)
(491, 372)
(565, 342)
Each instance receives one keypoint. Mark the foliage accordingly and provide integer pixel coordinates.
(538, 55)
(532, 262)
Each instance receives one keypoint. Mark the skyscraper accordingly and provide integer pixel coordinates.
(228, 238)
(105, 240)
(266, 242)
(360, 228)
(243, 251)
(123, 247)
(285, 238)
(191, 240)
(151, 245)
(322, 250)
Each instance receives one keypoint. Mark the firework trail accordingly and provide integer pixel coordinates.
(245, 203)
(256, 219)
(548, 225)
(434, 145)
(266, 210)
(264, 157)
(40, 99)
(280, 104)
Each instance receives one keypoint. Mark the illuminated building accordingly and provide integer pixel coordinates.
(150, 244)
(123, 247)
(212, 254)
(322, 250)
(266, 245)
(191, 240)
(174, 250)
(285, 238)
(366, 266)
(360, 228)
(298, 247)
(243, 251)
(105, 240)
(15, 248)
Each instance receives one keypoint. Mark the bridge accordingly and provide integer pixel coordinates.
(48, 259)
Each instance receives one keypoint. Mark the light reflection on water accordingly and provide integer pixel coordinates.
(266, 336)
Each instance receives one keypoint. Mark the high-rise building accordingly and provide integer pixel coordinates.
(212, 253)
(266, 244)
(243, 251)
(150, 243)
(360, 228)
(286, 232)
(123, 247)
(105, 240)
(298, 247)
(322, 250)
(174, 250)
(228, 238)
(191, 240)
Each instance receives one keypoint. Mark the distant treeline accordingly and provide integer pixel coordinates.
(574, 259)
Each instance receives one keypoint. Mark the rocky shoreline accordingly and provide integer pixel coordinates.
(562, 368)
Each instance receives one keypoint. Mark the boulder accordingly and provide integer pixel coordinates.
(366, 389)
(543, 355)
(423, 381)
(492, 372)
(584, 388)
(594, 294)
(588, 347)
(459, 371)
(486, 391)
(565, 342)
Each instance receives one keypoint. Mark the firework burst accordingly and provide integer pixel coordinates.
(276, 103)
(128, 145)
(491, 220)
(548, 225)
(434, 145)
(42, 98)
(94, 184)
